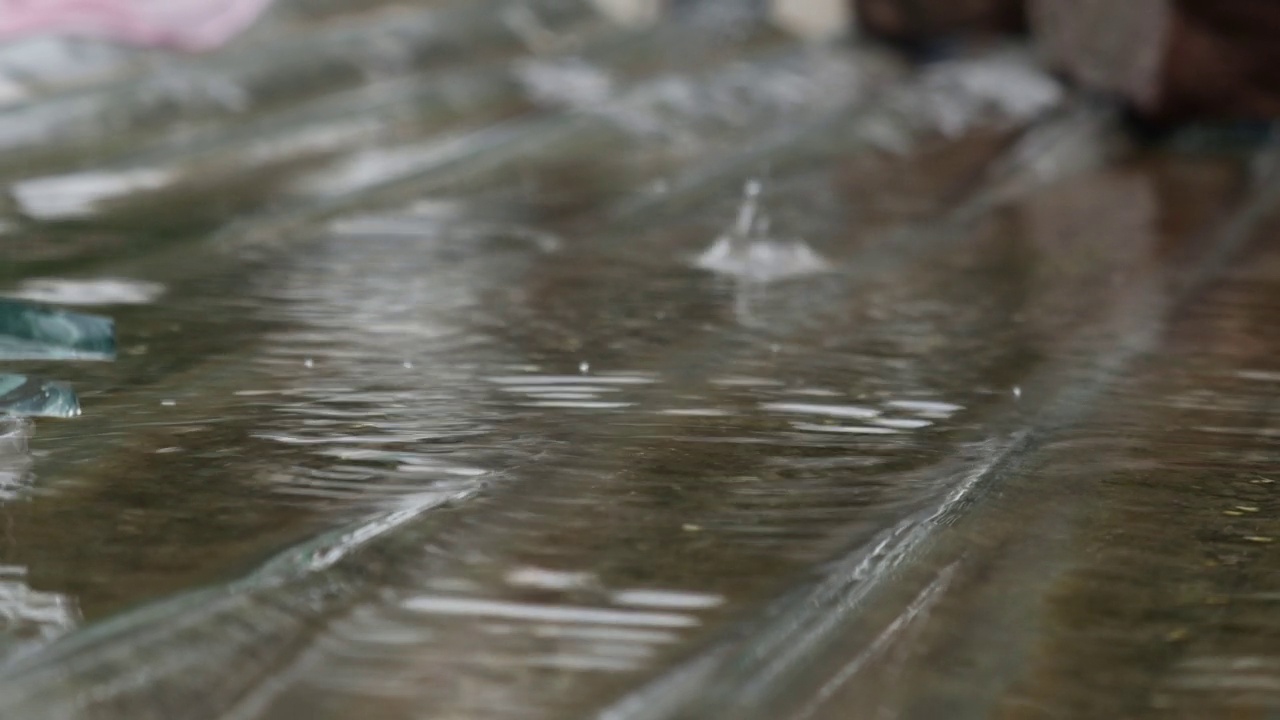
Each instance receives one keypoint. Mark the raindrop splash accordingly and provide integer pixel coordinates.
(748, 251)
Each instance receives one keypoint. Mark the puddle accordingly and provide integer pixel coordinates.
(467, 419)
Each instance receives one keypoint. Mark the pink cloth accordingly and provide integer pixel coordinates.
(184, 24)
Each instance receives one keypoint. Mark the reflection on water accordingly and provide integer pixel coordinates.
(29, 619)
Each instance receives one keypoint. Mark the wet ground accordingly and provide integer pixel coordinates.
(677, 372)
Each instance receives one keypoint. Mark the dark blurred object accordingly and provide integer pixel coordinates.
(1171, 60)
(1223, 60)
(916, 22)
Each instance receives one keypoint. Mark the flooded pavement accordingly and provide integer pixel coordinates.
(677, 372)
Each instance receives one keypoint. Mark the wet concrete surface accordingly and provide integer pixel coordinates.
(432, 402)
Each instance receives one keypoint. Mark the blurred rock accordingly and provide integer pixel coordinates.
(812, 19)
(1106, 45)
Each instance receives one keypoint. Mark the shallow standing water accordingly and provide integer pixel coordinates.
(435, 398)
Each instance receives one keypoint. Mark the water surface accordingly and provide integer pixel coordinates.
(454, 417)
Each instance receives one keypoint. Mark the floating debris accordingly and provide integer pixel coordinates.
(27, 396)
(32, 332)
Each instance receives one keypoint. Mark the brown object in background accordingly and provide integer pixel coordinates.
(912, 21)
(1223, 60)
(1116, 47)
(1172, 60)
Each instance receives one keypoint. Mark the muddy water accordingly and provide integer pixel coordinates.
(471, 427)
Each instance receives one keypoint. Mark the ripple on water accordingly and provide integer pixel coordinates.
(926, 407)
(889, 418)
(625, 621)
(843, 429)
(831, 411)
(573, 392)
(539, 612)
(670, 599)
(544, 579)
(1247, 680)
